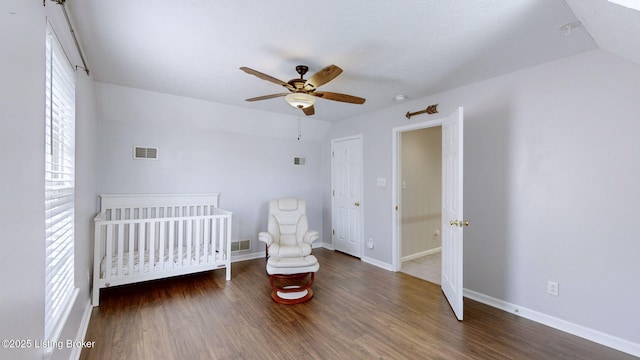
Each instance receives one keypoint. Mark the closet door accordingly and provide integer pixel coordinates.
(346, 183)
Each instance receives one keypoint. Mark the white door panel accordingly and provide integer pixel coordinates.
(346, 184)
(452, 215)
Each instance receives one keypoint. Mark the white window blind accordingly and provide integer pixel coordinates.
(60, 289)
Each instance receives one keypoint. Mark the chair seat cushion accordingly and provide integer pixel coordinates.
(290, 251)
(294, 265)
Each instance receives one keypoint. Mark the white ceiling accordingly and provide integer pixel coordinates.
(194, 48)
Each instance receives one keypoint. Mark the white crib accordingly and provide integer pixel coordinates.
(147, 237)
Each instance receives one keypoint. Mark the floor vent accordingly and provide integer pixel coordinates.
(148, 153)
(241, 245)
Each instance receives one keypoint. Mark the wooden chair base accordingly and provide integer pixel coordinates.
(277, 296)
(291, 289)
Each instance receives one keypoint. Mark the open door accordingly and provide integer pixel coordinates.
(452, 220)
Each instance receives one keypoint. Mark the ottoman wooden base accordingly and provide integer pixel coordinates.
(291, 278)
(291, 289)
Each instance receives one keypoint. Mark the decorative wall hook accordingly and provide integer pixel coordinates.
(431, 109)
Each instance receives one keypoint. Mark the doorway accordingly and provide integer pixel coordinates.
(451, 228)
(420, 193)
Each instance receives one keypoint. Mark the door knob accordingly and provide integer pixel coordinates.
(356, 203)
(458, 223)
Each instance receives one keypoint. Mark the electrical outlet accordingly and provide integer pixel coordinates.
(553, 288)
(370, 243)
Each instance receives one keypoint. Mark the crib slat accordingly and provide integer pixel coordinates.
(171, 244)
(108, 252)
(141, 240)
(214, 235)
(189, 239)
(161, 245)
(120, 240)
(197, 241)
(132, 243)
(152, 246)
(180, 242)
(222, 244)
(206, 238)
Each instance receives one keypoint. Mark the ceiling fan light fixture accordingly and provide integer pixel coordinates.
(300, 100)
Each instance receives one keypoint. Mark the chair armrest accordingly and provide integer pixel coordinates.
(311, 236)
(265, 237)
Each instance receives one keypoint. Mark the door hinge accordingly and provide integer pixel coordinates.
(396, 207)
(333, 231)
(334, 192)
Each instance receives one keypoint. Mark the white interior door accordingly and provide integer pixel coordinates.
(346, 184)
(452, 220)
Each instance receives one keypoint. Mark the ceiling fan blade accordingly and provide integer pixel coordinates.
(266, 77)
(322, 77)
(265, 97)
(309, 110)
(339, 97)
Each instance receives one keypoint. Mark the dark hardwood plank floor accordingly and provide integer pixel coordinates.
(359, 311)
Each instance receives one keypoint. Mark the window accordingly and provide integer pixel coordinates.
(60, 291)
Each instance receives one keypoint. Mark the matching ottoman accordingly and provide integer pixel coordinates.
(291, 278)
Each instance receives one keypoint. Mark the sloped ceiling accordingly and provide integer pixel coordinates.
(615, 28)
(416, 47)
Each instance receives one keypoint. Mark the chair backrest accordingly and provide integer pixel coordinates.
(288, 220)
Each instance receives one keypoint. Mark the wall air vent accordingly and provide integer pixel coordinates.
(299, 161)
(241, 245)
(148, 153)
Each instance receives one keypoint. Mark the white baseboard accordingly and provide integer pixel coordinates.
(82, 331)
(421, 254)
(556, 323)
(327, 246)
(377, 263)
(249, 256)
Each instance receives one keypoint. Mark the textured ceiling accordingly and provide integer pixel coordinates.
(615, 28)
(194, 48)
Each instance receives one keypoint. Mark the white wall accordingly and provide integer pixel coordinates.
(551, 171)
(245, 155)
(22, 70)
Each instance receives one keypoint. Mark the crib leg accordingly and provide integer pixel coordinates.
(96, 295)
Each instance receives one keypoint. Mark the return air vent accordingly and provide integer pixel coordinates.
(148, 153)
(299, 161)
(241, 245)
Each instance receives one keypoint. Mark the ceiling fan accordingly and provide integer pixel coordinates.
(302, 93)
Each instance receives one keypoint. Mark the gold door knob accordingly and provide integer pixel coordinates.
(453, 222)
(458, 223)
(356, 203)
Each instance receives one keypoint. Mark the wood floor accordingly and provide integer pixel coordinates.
(359, 311)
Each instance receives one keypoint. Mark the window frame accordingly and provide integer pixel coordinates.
(59, 186)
